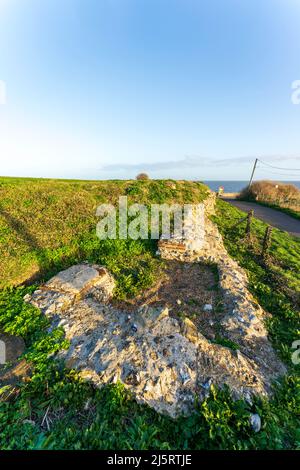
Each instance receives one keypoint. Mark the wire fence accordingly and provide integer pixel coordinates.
(266, 243)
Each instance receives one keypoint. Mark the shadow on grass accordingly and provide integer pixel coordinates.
(30, 240)
(86, 247)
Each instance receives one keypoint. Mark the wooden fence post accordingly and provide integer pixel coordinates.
(267, 240)
(249, 220)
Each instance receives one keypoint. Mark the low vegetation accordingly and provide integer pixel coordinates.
(47, 225)
(41, 233)
(142, 176)
(274, 281)
(285, 197)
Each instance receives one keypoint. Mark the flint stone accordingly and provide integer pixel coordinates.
(207, 308)
(255, 422)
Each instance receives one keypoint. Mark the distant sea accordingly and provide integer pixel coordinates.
(237, 186)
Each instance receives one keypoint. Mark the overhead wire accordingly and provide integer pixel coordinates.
(279, 173)
(278, 167)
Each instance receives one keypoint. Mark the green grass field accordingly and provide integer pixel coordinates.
(47, 225)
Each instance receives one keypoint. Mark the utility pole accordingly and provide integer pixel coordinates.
(252, 174)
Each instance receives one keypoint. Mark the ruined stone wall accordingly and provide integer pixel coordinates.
(243, 320)
(164, 362)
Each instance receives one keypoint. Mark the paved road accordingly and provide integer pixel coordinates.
(270, 216)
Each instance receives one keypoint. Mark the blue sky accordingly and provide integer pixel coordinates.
(177, 88)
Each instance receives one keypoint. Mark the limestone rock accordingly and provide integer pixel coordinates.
(72, 284)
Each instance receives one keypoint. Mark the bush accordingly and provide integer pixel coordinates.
(142, 176)
(272, 192)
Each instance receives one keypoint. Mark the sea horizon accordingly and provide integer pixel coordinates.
(235, 186)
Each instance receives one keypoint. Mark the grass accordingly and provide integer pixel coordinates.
(46, 225)
(226, 342)
(55, 409)
(275, 282)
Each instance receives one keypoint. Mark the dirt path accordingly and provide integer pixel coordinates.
(270, 216)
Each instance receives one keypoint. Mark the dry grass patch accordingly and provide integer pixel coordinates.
(271, 192)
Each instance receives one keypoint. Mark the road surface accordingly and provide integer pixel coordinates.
(270, 216)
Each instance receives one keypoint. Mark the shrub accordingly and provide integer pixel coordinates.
(272, 192)
(142, 176)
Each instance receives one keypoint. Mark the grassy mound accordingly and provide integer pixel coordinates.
(47, 225)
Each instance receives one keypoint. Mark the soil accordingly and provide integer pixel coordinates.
(185, 288)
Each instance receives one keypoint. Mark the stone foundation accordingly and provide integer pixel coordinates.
(243, 320)
(164, 362)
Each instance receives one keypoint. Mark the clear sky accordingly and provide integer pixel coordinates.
(178, 88)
